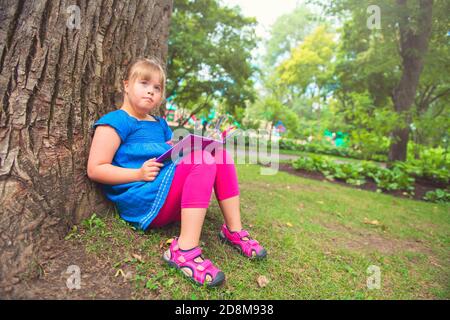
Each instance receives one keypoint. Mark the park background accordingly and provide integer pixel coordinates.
(357, 91)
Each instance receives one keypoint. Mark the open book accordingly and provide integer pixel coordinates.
(195, 142)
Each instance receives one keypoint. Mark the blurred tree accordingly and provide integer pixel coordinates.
(271, 110)
(210, 56)
(309, 70)
(288, 31)
(388, 61)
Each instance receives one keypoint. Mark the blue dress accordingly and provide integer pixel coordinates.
(139, 202)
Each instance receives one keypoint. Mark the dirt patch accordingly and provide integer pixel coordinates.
(368, 241)
(97, 278)
(422, 186)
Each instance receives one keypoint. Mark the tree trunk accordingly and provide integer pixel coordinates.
(56, 79)
(413, 47)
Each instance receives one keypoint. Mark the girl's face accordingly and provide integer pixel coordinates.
(144, 94)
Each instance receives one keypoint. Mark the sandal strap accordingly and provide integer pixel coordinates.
(204, 265)
(243, 233)
(189, 255)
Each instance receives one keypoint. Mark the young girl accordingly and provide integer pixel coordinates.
(149, 194)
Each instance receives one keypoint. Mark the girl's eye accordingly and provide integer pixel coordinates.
(158, 88)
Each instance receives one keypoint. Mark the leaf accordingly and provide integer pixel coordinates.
(138, 257)
(151, 285)
(262, 281)
(372, 222)
(289, 224)
(119, 272)
(170, 282)
(165, 243)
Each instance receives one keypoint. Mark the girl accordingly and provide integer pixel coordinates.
(149, 194)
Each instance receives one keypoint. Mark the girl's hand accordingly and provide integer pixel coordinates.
(150, 170)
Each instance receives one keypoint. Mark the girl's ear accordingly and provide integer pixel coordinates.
(125, 86)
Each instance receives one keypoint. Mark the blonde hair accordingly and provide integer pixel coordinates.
(145, 69)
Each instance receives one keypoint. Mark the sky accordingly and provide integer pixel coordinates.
(265, 11)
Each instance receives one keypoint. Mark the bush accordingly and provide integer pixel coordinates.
(437, 195)
(328, 149)
(358, 173)
(399, 177)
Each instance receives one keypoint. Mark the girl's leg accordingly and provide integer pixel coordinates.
(189, 197)
(226, 188)
(227, 193)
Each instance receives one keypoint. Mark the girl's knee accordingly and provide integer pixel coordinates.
(203, 158)
(221, 156)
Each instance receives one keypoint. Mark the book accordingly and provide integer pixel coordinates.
(195, 142)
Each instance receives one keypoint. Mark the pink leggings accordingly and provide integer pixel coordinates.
(195, 176)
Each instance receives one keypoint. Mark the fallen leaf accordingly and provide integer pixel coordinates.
(119, 272)
(289, 224)
(372, 222)
(137, 257)
(163, 243)
(262, 281)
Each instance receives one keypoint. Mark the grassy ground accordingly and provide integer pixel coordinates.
(330, 157)
(321, 240)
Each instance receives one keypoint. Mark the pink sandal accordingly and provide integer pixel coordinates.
(248, 247)
(199, 271)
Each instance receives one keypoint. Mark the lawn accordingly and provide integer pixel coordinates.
(321, 239)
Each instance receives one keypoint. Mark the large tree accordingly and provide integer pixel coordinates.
(388, 61)
(413, 45)
(61, 68)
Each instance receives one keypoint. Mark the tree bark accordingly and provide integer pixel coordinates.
(55, 81)
(413, 47)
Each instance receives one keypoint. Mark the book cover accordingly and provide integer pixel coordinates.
(195, 142)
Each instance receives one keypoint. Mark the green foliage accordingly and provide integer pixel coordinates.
(369, 126)
(368, 62)
(328, 149)
(310, 64)
(433, 163)
(401, 176)
(210, 55)
(287, 32)
(271, 110)
(437, 195)
(93, 223)
(395, 178)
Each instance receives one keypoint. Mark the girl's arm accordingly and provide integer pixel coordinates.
(105, 143)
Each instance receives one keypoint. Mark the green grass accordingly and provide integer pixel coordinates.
(330, 157)
(320, 237)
